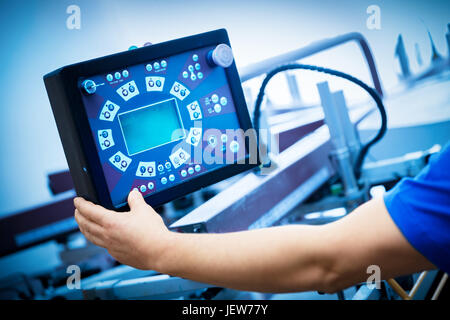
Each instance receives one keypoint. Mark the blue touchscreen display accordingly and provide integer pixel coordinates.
(151, 126)
(162, 122)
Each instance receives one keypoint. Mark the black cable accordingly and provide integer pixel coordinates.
(372, 92)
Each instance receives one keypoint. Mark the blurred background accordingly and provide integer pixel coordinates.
(37, 41)
(410, 43)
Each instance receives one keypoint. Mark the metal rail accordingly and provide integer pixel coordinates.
(259, 68)
(402, 293)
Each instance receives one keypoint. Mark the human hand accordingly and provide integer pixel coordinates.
(137, 238)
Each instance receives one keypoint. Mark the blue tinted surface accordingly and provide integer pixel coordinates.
(151, 126)
(110, 26)
(142, 151)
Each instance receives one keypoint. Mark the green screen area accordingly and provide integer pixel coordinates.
(151, 126)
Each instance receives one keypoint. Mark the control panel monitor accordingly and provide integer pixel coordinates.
(165, 119)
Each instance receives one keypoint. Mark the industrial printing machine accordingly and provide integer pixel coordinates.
(307, 177)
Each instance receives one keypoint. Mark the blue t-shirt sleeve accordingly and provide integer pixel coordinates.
(420, 207)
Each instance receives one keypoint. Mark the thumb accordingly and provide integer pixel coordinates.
(136, 200)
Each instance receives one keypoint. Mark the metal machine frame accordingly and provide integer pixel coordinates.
(313, 152)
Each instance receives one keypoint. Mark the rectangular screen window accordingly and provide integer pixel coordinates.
(151, 126)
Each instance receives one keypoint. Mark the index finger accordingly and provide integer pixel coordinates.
(91, 211)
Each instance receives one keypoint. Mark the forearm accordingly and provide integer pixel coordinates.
(298, 257)
(281, 259)
(290, 258)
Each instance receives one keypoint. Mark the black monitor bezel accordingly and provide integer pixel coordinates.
(70, 80)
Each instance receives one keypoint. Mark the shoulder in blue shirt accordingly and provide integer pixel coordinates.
(420, 207)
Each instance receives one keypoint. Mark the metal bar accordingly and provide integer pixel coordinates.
(27, 220)
(398, 289)
(293, 87)
(154, 287)
(331, 116)
(366, 293)
(246, 201)
(410, 164)
(289, 137)
(349, 130)
(259, 68)
(60, 182)
(289, 127)
(402, 293)
(440, 286)
(264, 200)
(341, 151)
(417, 285)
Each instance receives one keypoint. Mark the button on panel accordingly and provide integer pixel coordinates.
(120, 161)
(146, 169)
(179, 91)
(192, 71)
(215, 103)
(179, 157)
(217, 108)
(128, 90)
(145, 187)
(194, 136)
(224, 138)
(221, 56)
(105, 139)
(212, 140)
(154, 83)
(109, 111)
(195, 112)
(234, 146)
